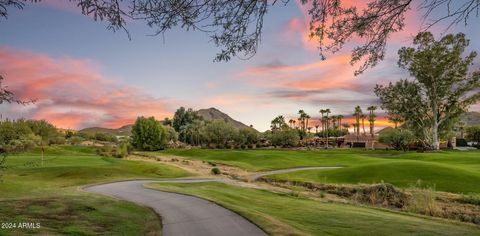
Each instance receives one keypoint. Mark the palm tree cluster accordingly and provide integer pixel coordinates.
(360, 120)
(278, 123)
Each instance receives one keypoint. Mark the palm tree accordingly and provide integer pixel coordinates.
(293, 121)
(346, 126)
(327, 111)
(357, 114)
(340, 117)
(334, 122)
(322, 111)
(307, 117)
(371, 119)
(316, 128)
(277, 123)
(363, 117)
(356, 127)
(290, 122)
(309, 129)
(302, 119)
(395, 120)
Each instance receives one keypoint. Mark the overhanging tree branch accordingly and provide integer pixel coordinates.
(236, 26)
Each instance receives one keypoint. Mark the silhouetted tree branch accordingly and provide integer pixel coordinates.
(6, 96)
(236, 26)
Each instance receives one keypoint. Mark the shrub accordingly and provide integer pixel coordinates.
(75, 140)
(216, 171)
(399, 139)
(105, 137)
(285, 138)
(122, 150)
(212, 164)
(106, 151)
(473, 134)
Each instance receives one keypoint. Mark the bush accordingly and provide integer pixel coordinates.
(106, 151)
(148, 134)
(473, 134)
(216, 171)
(105, 137)
(122, 150)
(284, 138)
(212, 164)
(75, 140)
(399, 139)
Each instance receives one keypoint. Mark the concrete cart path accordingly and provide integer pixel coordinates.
(181, 214)
(188, 215)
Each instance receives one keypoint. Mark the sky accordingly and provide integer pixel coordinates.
(83, 75)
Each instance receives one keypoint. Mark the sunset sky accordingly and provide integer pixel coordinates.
(82, 74)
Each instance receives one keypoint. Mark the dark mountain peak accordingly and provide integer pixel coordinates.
(213, 113)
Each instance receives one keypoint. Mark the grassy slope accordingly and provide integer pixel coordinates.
(282, 214)
(446, 171)
(49, 194)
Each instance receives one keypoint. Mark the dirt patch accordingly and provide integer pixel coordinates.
(200, 168)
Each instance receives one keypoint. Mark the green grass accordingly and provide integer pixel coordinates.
(50, 193)
(78, 214)
(283, 214)
(403, 174)
(452, 171)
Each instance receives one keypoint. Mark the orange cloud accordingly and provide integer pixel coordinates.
(334, 73)
(72, 93)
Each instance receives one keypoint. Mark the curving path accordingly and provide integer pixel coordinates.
(182, 215)
(188, 215)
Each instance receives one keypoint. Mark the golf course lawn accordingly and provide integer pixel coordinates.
(284, 214)
(50, 194)
(452, 171)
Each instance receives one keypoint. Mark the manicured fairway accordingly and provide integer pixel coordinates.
(283, 214)
(50, 194)
(452, 171)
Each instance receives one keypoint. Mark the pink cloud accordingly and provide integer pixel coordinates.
(334, 73)
(72, 93)
(297, 29)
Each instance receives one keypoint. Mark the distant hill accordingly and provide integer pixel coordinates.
(214, 114)
(122, 131)
(471, 118)
(207, 114)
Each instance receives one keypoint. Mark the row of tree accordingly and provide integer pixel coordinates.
(189, 128)
(21, 135)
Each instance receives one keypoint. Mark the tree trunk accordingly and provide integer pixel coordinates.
(371, 129)
(435, 141)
